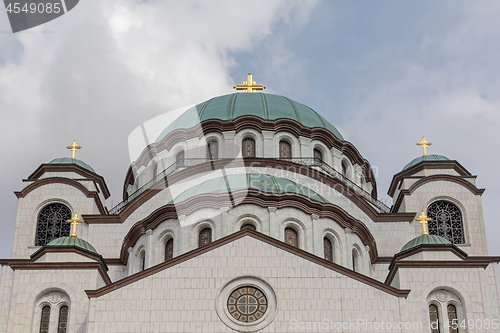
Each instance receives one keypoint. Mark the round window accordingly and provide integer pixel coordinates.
(247, 304)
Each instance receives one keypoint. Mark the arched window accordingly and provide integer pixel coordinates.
(179, 158)
(452, 318)
(344, 169)
(318, 155)
(446, 221)
(291, 237)
(52, 223)
(434, 318)
(248, 148)
(205, 237)
(155, 171)
(63, 320)
(44, 322)
(212, 150)
(248, 226)
(142, 257)
(328, 249)
(169, 249)
(285, 149)
(356, 264)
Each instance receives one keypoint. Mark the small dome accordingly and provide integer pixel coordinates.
(72, 242)
(425, 240)
(426, 158)
(74, 161)
(251, 181)
(265, 106)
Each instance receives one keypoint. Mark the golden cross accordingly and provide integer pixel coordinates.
(73, 148)
(424, 144)
(423, 219)
(74, 222)
(249, 85)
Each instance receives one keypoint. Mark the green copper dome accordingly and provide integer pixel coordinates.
(74, 161)
(251, 181)
(264, 106)
(426, 158)
(425, 240)
(72, 242)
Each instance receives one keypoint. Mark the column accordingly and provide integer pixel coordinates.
(224, 217)
(315, 244)
(272, 221)
(130, 269)
(149, 249)
(348, 248)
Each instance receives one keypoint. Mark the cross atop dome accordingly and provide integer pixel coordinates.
(74, 147)
(249, 85)
(424, 144)
(423, 219)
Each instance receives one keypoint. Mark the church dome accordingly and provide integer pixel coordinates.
(73, 161)
(72, 242)
(251, 181)
(265, 106)
(425, 158)
(425, 240)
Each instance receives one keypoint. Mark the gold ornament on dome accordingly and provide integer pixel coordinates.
(74, 147)
(423, 219)
(249, 85)
(424, 144)
(74, 222)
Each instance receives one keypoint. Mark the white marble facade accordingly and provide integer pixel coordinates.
(138, 291)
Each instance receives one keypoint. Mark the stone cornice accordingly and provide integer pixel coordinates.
(258, 124)
(30, 265)
(454, 165)
(71, 168)
(233, 237)
(470, 263)
(249, 197)
(425, 180)
(334, 183)
(60, 180)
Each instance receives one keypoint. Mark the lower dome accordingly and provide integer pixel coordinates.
(72, 242)
(425, 240)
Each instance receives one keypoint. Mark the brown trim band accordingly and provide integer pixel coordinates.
(249, 197)
(435, 178)
(259, 236)
(434, 264)
(38, 254)
(455, 165)
(60, 180)
(258, 124)
(71, 168)
(334, 183)
(29, 265)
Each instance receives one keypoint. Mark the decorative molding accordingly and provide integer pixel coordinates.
(249, 197)
(455, 165)
(60, 180)
(260, 125)
(71, 168)
(455, 179)
(336, 184)
(434, 264)
(259, 236)
(29, 265)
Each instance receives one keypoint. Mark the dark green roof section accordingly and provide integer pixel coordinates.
(426, 158)
(259, 182)
(265, 106)
(74, 161)
(72, 242)
(425, 240)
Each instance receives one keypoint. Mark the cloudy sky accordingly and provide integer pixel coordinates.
(385, 73)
